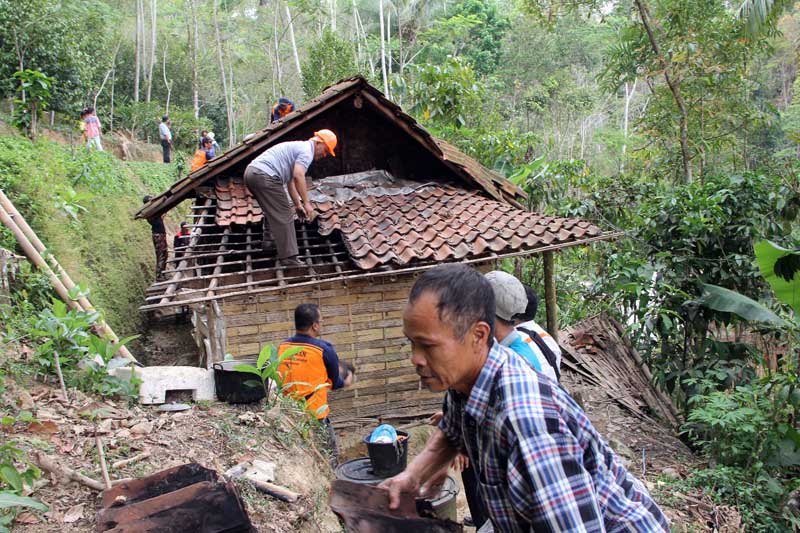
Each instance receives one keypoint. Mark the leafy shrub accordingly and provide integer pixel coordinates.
(12, 483)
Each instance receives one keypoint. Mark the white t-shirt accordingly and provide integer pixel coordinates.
(279, 160)
(548, 340)
(163, 132)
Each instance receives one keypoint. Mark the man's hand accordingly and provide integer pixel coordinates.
(301, 211)
(402, 482)
(435, 418)
(461, 462)
(309, 210)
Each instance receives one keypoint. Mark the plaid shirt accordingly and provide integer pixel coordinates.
(541, 465)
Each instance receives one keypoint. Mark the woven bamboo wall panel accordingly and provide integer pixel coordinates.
(363, 321)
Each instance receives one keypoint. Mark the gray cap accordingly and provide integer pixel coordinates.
(509, 294)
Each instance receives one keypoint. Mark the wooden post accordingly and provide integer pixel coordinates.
(550, 293)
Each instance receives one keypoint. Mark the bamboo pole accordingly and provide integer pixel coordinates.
(33, 248)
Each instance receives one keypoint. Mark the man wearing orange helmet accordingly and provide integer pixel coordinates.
(285, 164)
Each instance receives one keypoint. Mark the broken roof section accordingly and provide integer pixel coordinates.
(348, 97)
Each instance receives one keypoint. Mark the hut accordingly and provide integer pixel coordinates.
(393, 202)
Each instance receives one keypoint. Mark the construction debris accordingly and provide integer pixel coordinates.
(183, 498)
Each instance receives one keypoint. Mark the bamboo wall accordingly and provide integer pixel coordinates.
(363, 321)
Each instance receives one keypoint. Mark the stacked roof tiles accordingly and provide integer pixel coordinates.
(235, 203)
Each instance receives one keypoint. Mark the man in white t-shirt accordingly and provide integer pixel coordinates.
(528, 329)
(285, 164)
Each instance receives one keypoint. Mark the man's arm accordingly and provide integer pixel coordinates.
(548, 484)
(331, 360)
(438, 453)
(299, 180)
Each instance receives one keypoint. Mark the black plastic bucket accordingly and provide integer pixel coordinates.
(388, 459)
(230, 384)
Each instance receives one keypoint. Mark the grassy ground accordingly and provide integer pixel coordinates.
(81, 204)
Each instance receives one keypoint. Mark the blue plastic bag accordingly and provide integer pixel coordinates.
(383, 434)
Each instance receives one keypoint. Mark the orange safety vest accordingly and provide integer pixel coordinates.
(199, 159)
(306, 371)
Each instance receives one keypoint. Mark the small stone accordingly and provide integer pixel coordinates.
(124, 433)
(142, 428)
(25, 401)
(670, 472)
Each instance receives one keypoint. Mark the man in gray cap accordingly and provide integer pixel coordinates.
(510, 300)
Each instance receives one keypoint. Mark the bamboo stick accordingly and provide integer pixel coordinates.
(33, 252)
(367, 275)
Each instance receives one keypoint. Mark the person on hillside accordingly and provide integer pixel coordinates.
(165, 134)
(82, 126)
(92, 131)
(544, 346)
(181, 240)
(201, 156)
(203, 135)
(159, 232)
(214, 145)
(542, 466)
(282, 108)
(285, 164)
(314, 371)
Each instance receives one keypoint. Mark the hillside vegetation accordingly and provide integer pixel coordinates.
(81, 204)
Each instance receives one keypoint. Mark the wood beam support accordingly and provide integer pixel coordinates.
(551, 306)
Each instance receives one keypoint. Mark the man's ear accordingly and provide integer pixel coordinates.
(480, 332)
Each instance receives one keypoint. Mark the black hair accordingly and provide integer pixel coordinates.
(207, 140)
(532, 307)
(346, 368)
(184, 224)
(165, 118)
(465, 297)
(305, 315)
(146, 198)
(89, 110)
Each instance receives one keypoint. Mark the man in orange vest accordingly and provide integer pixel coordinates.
(314, 371)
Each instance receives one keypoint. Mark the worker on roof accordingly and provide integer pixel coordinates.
(311, 373)
(181, 240)
(285, 164)
(203, 155)
(282, 108)
(159, 232)
(542, 466)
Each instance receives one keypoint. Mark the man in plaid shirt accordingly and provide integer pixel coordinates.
(541, 464)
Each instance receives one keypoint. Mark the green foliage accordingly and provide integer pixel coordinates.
(330, 59)
(473, 29)
(66, 40)
(33, 97)
(443, 95)
(780, 267)
(266, 368)
(728, 301)
(90, 232)
(13, 480)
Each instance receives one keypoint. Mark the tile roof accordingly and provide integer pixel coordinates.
(432, 224)
(463, 166)
(235, 203)
(441, 224)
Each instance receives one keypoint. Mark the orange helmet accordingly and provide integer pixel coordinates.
(328, 138)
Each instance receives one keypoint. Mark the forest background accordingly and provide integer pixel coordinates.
(675, 121)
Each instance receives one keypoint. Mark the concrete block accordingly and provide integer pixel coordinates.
(157, 380)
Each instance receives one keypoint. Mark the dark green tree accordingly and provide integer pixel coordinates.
(330, 59)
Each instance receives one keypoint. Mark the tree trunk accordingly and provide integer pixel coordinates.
(113, 82)
(138, 57)
(333, 15)
(674, 88)
(221, 64)
(626, 117)
(358, 35)
(167, 84)
(153, 15)
(291, 38)
(279, 69)
(383, 54)
(194, 44)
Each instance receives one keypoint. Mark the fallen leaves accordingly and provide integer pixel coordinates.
(74, 514)
(45, 426)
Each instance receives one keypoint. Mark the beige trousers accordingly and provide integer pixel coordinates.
(278, 212)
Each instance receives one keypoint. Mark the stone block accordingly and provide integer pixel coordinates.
(157, 380)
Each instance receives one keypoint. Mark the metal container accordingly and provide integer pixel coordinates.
(229, 384)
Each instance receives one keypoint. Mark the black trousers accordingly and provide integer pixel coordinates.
(165, 148)
(477, 509)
